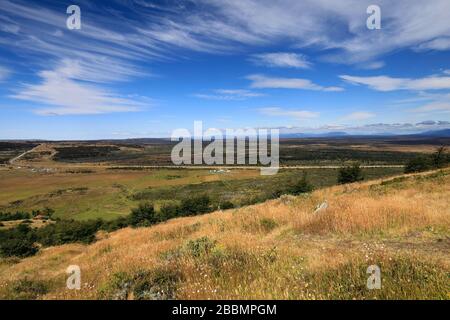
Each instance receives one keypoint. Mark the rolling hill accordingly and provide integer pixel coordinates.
(280, 249)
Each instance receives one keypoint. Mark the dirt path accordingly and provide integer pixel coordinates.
(11, 161)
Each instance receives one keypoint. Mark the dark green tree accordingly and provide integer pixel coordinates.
(350, 174)
(195, 205)
(144, 215)
(302, 185)
(418, 164)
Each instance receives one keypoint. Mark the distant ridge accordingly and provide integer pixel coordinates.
(445, 133)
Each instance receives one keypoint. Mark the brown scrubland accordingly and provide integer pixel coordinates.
(280, 249)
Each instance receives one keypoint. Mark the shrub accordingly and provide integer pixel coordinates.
(17, 242)
(226, 205)
(437, 160)
(302, 186)
(268, 224)
(17, 248)
(68, 231)
(350, 174)
(169, 211)
(25, 289)
(418, 164)
(158, 284)
(440, 158)
(116, 224)
(143, 216)
(8, 216)
(196, 205)
(200, 247)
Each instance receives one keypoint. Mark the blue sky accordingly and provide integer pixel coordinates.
(141, 68)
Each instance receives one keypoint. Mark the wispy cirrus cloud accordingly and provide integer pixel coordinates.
(434, 107)
(59, 93)
(264, 82)
(282, 60)
(152, 31)
(297, 114)
(329, 24)
(386, 83)
(4, 73)
(440, 44)
(426, 102)
(107, 51)
(229, 94)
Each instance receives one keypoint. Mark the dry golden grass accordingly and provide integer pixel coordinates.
(276, 250)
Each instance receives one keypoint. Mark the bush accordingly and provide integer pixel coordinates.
(21, 248)
(302, 186)
(268, 224)
(158, 284)
(116, 224)
(350, 174)
(418, 165)
(143, 216)
(25, 289)
(226, 205)
(200, 247)
(440, 158)
(196, 205)
(169, 211)
(68, 231)
(17, 242)
(437, 160)
(8, 216)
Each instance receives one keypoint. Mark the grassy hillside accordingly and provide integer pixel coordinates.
(279, 249)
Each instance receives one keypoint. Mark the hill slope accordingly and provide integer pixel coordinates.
(280, 249)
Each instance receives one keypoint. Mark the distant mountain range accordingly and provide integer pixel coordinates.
(444, 133)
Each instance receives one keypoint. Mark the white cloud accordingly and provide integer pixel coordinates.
(229, 94)
(282, 59)
(298, 114)
(264, 82)
(4, 73)
(59, 94)
(108, 51)
(436, 44)
(223, 26)
(372, 65)
(437, 106)
(329, 24)
(10, 28)
(358, 116)
(375, 128)
(386, 83)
